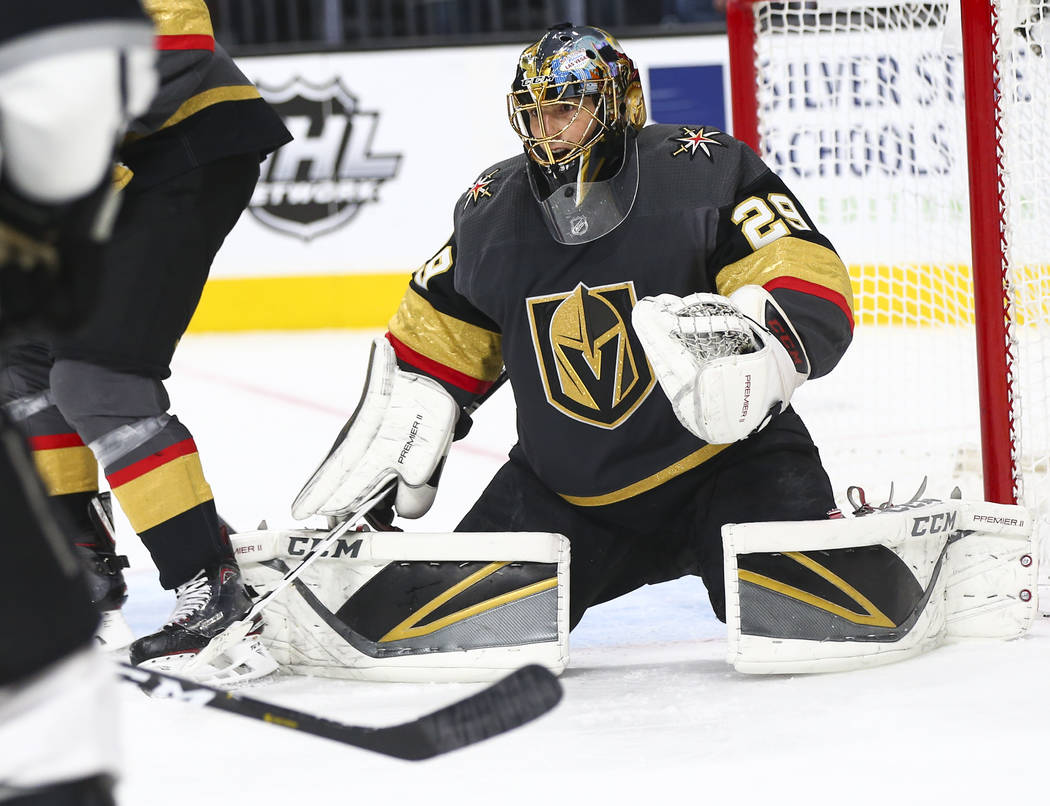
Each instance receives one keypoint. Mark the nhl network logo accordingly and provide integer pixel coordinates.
(320, 180)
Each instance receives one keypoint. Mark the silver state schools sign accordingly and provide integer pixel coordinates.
(320, 180)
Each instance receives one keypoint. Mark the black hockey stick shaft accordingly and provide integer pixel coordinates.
(520, 697)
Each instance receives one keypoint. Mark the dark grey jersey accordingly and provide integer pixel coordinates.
(593, 423)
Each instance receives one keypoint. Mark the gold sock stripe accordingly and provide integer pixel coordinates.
(67, 470)
(164, 492)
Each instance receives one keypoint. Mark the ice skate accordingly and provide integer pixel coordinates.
(204, 607)
(104, 570)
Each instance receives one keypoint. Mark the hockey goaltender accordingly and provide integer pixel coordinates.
(605, 260)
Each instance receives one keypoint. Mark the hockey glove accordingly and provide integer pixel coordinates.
(51, 256)
(401, 431)
(727, 364)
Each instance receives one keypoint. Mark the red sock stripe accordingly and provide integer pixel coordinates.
(185, 42)
(151, 462)
(52, 441)
(465, 382)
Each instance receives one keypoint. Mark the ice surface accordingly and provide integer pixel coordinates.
(651, 711)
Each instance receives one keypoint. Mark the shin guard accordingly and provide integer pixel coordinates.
(413, 607)
(832, 595)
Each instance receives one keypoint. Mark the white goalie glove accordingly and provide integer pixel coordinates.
(400, 432)
(727, 364)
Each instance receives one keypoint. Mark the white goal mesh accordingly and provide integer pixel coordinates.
(861, 108)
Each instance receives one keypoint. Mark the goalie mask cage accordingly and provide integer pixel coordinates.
(916, 136)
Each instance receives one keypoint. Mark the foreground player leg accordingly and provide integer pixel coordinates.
(70, 474)
(153, 468)
(57, 724)
(105, 573)
(58, 730)
(65, 95)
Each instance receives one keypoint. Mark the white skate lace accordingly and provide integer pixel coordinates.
(190, 598)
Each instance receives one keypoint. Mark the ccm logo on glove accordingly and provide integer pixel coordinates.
(779, 328)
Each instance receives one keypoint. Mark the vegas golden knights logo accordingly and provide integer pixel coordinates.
(593, 366)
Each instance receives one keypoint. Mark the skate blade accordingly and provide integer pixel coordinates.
(247, 661)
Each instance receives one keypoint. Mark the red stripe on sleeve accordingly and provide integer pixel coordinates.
(813, 289)
(52, 441)
(185, 42)
(151, 462)
(465, 382)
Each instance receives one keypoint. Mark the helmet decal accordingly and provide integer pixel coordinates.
(576, 103)
(574, 89)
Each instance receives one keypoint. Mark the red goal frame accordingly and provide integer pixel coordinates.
(999, 456)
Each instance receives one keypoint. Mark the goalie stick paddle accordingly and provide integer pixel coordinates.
(520, 697)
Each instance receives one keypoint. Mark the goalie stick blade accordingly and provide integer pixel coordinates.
(520, 697)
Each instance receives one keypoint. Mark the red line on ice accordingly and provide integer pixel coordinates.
(306, 403)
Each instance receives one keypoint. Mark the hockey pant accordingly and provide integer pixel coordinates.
(673, 530)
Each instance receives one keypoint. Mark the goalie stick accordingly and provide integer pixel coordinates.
(520, 697)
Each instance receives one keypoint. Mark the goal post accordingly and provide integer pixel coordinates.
(987, 227)
(916, 136)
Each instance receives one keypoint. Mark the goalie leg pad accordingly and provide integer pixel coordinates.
(833, 595)
(993, 572)
(413, 607)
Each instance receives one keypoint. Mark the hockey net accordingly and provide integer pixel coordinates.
(862, 109)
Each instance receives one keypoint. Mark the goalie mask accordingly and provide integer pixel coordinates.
(576, 103)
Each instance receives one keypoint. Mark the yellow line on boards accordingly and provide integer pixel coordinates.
(298, 303)
(913, 295)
